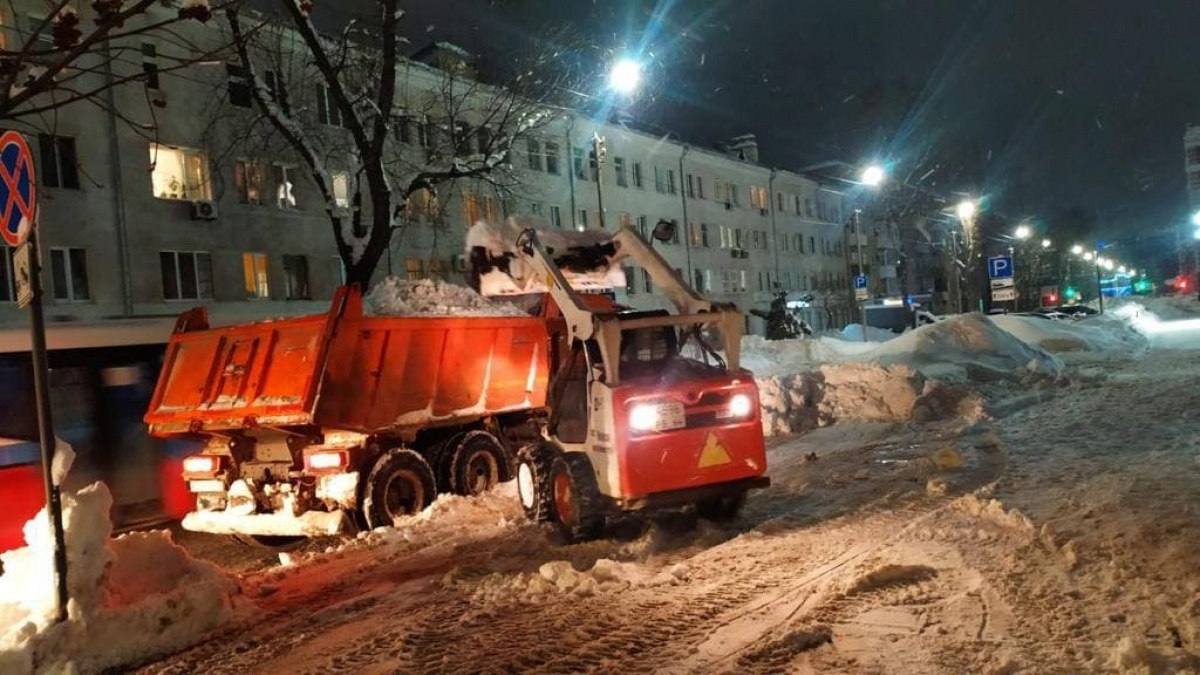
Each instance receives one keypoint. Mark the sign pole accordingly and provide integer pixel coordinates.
(41, 388)
(18, 226)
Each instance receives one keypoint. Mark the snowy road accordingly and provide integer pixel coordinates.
(1058, 537)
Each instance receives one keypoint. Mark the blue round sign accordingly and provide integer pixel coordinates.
(18, 189)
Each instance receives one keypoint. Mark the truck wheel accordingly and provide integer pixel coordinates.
(478, 464)
(533, 481)
(401, 484)
(577, 508)
(721, 509)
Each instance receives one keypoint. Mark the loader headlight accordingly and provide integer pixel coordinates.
(740, 405)
(643, 417)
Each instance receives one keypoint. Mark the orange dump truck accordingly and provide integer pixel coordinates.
(314, 422)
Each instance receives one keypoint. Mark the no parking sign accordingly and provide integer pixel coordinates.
(18, 189)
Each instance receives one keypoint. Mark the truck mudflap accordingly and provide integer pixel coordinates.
(685, 496)
(307, 524)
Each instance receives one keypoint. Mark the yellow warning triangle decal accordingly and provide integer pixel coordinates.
(713, 453)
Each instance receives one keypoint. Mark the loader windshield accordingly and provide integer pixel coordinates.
(662, 352)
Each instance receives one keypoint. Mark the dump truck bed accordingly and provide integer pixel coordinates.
(343, 370)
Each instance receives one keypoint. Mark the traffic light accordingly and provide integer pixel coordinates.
(1070, 293)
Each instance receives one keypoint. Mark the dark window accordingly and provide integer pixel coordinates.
(578, 164)
(150, 65)
(239, 85)
(552, 158)
(533, 154)
(619, 169)
(637, 174)
(327, 110)
(295, 272)
(8, 286)
(276, 88)
(68, 269)
(186, 275)
(404, 130)
(59, 163)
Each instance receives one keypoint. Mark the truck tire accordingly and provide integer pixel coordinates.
(478, 464)
(400, 484)
(721, 509)
(578, 512)
(533, 481)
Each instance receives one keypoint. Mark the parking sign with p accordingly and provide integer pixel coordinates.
(1000, 267)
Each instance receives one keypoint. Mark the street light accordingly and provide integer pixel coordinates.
(625, 76)
(1088, 256)
(1046, 243)
(1077, 249)
(966, 209)
(873, 175)
(1023, 232)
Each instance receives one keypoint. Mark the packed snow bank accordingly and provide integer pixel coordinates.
(862, 392)
(399, 297)
(1105, 333)
(131, 598)
(781, 357)
(854, 331)
(967, 347)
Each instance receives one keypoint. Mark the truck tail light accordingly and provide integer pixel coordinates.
(325, 461)
(201, 465)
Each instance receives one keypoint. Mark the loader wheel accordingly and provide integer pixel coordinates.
(721, 509)
(401, 484)
(577, 509)
(270, 542)
(533, 481)
(478, 464)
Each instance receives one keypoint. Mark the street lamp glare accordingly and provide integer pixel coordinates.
(873, 175)
(1122, 269)
(1089, 255)
(965, 209)
(625, 76)
(1196, 235)
(1196, 219)
(1023, 232)
(1077, 249)
(1046, 243)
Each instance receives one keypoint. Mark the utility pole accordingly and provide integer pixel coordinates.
(598, 151)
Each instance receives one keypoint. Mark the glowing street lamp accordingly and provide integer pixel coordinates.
(1077, 249)
(1122, 269)
(1196, 219)
(1088, 256)
(625, 76)
(1023, 232)
(1108, 264)
(873, 176)
(966, 209)
(1046, 243)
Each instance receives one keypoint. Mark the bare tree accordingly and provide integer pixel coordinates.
(57, 57)
(404, 130)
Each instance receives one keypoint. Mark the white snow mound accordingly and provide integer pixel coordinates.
(967, 347)
(131, 598)
(1105, 333)
(429, 297)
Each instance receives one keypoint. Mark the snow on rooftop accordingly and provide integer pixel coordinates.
(131, 598)
(427, 297)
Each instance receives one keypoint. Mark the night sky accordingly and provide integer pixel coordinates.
(1039, 106)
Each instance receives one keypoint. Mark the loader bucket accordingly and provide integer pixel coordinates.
(588, 260)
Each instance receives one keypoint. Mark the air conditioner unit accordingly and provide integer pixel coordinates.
(204, 210)
(728, 206)
(762, 211)
(460, 263)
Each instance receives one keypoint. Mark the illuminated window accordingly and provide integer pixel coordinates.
(414, 269)
(248, 180)
(341, 189)
(285, 186)
(255, 267)
(179, 173)
(470, 208)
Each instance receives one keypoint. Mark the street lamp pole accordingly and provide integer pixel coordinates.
(1099, 284)
(858, 243)
(598, 150)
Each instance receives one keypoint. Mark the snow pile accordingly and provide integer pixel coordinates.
(1164, 308)
(854, 331)
(863, 392)
(1095, 334)
(967, 348)
(450, 518)
(561, 577)
(131, 598)
(781, 357)
(428, 297)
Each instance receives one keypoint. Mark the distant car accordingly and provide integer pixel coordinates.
(1049, 316)
(1078, 311)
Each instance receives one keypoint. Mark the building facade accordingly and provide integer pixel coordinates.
(159, 210)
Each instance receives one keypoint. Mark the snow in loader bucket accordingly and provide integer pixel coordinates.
(588, 260)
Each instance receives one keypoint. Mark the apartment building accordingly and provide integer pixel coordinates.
(167, 209)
